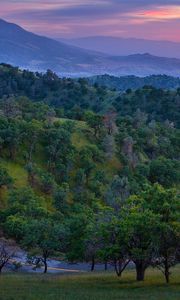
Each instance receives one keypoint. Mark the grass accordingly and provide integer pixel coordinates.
(78, 137)
(19, 176)
(20, 180)
(79, 140)
(89, 287)
(17, 172)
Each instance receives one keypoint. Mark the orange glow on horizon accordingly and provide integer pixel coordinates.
(75, 18)
(158, 14)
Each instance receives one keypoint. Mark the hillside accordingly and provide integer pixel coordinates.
(72, 105)
(64, 93)
(144, 65)
(81, 166)
(22, 48)
(133, 82)
(28, 163)
(117, 46)
(27, 50)
(71, 98)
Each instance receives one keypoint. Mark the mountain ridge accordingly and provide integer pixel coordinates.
(120, 45)
(38, 53)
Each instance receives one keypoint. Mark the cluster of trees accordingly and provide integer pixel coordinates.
(72, 98)
(142, 229)
(159, 104)
(101, 190)
(133, 82)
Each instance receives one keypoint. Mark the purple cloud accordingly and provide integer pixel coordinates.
(70, 18)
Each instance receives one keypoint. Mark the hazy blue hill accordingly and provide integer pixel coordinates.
(20, 47)
(145, 64)
(34, 52)
(127, 46)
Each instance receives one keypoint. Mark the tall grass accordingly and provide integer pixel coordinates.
(97, 286)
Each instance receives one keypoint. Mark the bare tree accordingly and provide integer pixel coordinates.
(120, 265)
(7, 251)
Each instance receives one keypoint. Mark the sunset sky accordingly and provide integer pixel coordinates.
(150, 19)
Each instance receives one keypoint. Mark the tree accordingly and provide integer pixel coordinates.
(58, 146)
(42, 239)
(23, 206)
(113, 240)
(33, 130)
(164, 202)
(10, 108)
(61, 197)
(117, 192)
(93, 242)
(168, 252)
(31, 170)
(165, 171)
(7, 251)
(46, 182)
(50, 116)
(76, 232)
(13, 136)
(109, 146)
(110, 121)
(94, 121)
(86, 162)
(5, 179)
(128, 151)
(141, 226)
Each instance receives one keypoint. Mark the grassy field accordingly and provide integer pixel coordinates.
(89, 287)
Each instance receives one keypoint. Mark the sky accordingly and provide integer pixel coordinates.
(148, 19)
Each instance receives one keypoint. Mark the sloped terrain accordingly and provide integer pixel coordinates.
(27, 50)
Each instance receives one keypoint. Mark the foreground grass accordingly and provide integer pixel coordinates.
(89, 287)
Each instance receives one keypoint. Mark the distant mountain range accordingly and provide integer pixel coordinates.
(27, 50)
(126, 46)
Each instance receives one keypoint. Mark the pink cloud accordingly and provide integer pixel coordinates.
(70, 18)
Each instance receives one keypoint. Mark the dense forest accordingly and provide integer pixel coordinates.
(87, 173)
(71, 98)
(133, 82)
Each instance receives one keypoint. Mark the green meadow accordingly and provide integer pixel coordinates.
(95, 286)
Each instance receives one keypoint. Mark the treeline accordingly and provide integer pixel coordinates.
(160, 105)
(142, 229)
(133, 82)
(103, 189)
(71, 98)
